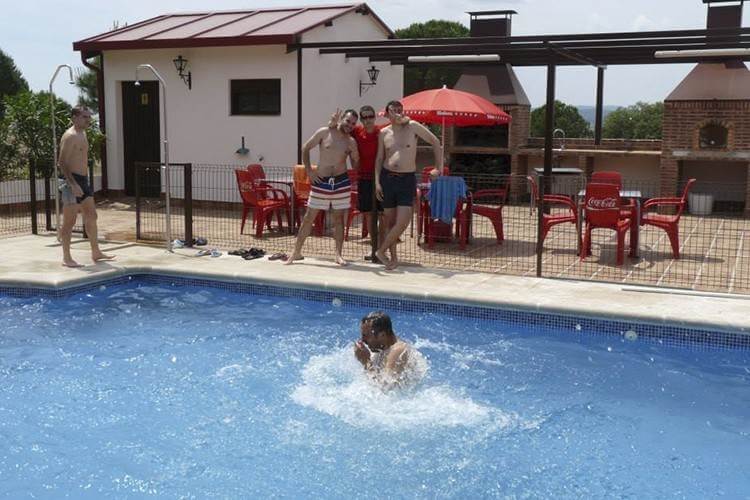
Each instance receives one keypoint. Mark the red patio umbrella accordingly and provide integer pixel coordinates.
(452, 107)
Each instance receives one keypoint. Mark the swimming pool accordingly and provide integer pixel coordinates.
(186, 391)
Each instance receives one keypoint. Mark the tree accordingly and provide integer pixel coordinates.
(639, 121)
(88, 93)
(10, 166)
(567, 118)
(416, 79)
(11, 80)
(29, 124)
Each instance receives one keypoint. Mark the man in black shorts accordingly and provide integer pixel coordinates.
(396, 182)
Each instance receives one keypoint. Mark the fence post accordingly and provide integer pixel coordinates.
(539, 224)
(32, 196)
(187, 171)
(137, 201)
(47, 205)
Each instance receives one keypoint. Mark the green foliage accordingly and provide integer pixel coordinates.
(10, 164)
(11, 80)
(88, 94)
(29, 125)
(639, 121)
(417, 79)
(566, 117)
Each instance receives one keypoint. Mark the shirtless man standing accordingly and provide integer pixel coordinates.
(76, 192)
(331, 188)
(395, 169)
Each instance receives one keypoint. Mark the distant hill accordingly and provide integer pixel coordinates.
(589, 112)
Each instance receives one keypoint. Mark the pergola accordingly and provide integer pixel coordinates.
(594, 49)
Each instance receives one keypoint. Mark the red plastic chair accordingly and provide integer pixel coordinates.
(549, 220)
(422, 214)
(354, 208)
(437, 230)
(602, 209)
(263, 200)
(669, 223)
(612, 177)
(301, 188)
(490, 203)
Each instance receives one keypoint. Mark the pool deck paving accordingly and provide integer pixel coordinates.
(35, 262)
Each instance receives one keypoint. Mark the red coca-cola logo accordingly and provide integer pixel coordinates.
(601, 203)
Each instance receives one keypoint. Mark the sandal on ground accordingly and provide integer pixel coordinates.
(240, 252)
(200, 241)
(203, 253)
(254, 253)
(279, 256)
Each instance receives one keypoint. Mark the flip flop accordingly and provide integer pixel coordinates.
(254, 253)
(200, 241)
(215, 252)
(240, 252)
(278, 256)
(203, 253)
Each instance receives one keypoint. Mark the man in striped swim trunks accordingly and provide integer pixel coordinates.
(330, 189)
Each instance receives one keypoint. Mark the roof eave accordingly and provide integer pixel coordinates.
(84, 46)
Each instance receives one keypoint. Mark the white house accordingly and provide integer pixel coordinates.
(246, 79)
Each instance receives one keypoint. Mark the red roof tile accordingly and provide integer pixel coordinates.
(221, 28)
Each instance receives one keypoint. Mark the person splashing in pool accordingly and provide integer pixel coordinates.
(390, 361)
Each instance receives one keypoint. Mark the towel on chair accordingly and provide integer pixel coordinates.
(445, 192)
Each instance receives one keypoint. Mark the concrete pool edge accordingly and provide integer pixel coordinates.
(33, 263)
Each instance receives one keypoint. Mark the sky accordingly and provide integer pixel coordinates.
(39, 34)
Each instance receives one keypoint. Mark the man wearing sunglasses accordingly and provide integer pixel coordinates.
(395, 175)
(330, 186)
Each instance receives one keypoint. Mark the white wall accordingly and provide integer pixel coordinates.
(331, 81)
(201, 129)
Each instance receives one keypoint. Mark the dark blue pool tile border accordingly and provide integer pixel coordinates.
(662, 334)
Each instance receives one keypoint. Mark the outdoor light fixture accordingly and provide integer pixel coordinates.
(373, 73)
(666, 54)
(455, 58)
(180, 64)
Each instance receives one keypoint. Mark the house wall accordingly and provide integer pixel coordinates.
(201, 130)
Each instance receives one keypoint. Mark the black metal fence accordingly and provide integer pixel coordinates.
(27, 206)
(495, 227)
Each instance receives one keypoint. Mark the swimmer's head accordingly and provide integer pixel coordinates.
(376, 330)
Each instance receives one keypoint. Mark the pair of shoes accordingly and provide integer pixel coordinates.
(279, 256)
(200, 241)
(240, 252)
(254, 253)
(178, 244)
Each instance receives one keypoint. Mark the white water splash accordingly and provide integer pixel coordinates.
(337, 385)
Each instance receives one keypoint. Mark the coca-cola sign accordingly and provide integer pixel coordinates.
(601, 203)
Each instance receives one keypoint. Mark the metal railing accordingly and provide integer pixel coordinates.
(713, 252)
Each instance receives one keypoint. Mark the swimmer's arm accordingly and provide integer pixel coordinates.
(397, 361)
(353, 153)
(425, 134)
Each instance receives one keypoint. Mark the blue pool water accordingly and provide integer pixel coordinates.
(151, 390)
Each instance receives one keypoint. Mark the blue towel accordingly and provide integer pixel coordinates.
(444, 194)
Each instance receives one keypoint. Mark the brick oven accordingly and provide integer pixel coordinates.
(706, 127)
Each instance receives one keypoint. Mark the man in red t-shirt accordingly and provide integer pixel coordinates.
(366, 136)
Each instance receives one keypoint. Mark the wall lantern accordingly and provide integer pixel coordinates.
(373, 73)
(180, 64)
